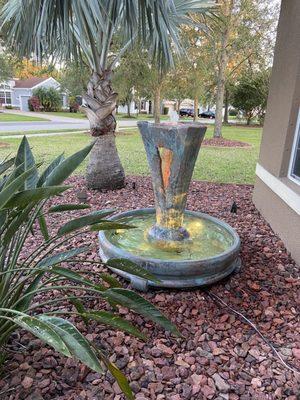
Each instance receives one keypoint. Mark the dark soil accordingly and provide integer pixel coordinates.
(221, 142)
(220, 357)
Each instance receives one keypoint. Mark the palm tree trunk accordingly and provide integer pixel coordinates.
(105, 170)
(157, 104)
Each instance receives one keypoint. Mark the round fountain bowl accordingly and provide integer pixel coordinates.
(211, 253)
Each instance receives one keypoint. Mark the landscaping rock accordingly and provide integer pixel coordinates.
(220, 356)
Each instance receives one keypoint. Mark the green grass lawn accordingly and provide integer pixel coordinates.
(4, 117)
(20, 132)
(77, 115)
(213, 164)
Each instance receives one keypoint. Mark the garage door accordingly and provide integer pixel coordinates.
(24, 103)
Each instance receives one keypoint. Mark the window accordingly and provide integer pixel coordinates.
(295, 156)
(2, 97)
(4, 86)
(5, 97)
(8, 98)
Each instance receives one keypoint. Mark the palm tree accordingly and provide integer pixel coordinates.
(86, 30)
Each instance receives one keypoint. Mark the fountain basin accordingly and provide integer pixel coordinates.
(211, 254)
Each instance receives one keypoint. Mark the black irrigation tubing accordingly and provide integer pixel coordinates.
(242, 317)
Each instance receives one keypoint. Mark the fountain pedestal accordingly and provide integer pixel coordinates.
(182, 248)
(172, 151)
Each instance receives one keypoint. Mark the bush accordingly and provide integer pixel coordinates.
(233, 112)
(50, 99)
(74, 106)
(34, 104)
(27, 274)
(9, 107)
(250, 94)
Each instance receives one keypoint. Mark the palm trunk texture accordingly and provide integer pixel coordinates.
(104, 170)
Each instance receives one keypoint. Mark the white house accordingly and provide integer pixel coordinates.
(16, 92)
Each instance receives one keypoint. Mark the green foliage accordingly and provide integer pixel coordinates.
(73, 78)
(26, 272)
(50, 99)
(85, 30)
(250, 94)
(5, 68)
(132, 77)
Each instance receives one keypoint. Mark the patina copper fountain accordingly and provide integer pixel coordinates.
(181, 248)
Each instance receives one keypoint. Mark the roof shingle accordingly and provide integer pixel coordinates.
(29, 83)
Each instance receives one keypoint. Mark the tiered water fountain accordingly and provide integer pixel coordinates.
(182, 248)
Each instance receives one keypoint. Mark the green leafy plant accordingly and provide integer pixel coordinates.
(27, 272)
(50, 99)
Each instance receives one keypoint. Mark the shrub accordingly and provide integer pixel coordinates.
(34, 104)
(233, 112)
(74, 106)
(24, 194)
(50, 99)
(250, 94)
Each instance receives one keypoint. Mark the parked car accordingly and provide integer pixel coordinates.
(186, 112)
(207, 114)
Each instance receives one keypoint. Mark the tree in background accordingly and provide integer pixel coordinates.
(250, 95)
(25, 68)
(86, 29)
(131, 77)
(243, 38)
(176, 85)
(73, 78)
(5, 68)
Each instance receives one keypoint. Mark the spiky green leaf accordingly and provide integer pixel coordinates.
(49, 170)
(44, 331)
(114, 321)
(76, 343)
(86, 220)
(130, 267)
(22, 199)
(60, 257)
(25, 158)
(66, 167)
(137, 303)
(68, 207)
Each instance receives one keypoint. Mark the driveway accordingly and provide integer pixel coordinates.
(55, 123)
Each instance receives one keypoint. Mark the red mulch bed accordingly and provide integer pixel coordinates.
(221, 356)
(221, 142)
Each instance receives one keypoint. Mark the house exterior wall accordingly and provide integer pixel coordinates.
(276, 196)
(17, 93)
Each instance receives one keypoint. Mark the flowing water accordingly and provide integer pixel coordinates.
(207, 239)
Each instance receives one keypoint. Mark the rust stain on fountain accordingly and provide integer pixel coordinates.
(166, 157)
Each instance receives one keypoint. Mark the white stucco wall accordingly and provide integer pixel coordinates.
(19, 92)
(16, 93)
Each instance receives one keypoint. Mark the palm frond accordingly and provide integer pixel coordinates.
(66, 30)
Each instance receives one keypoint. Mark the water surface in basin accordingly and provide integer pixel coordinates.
(207, 239)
